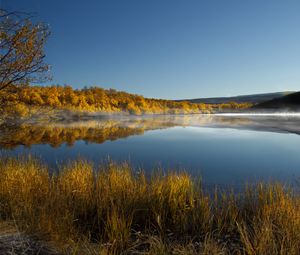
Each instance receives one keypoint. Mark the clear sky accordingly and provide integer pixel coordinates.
(172, 49)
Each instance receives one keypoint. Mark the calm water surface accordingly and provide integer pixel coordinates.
(223, 150)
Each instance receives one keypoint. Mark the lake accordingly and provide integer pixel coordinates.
(222, 149)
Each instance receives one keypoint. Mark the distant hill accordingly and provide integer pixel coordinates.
(254, 99)
(290, 102)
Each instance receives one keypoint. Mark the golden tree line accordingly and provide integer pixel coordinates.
(96, 99)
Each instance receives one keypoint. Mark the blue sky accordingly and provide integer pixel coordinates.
(172, 49)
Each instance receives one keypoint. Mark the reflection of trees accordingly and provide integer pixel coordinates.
(99, 131)
(58, 134)
(55, 136)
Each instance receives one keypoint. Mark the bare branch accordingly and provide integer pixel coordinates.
(21, 49)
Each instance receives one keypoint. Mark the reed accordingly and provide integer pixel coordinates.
(111, 209)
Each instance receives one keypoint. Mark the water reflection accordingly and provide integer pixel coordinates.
(113, 128)
(223, 150)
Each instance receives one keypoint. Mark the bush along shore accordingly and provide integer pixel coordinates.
(115, 210)
(65, 102)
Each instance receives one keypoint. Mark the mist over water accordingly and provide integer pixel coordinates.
(275, 114)
(223, 149)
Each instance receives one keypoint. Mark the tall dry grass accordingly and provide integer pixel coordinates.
(113, 210)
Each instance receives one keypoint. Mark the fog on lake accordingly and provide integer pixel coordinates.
(222, 149)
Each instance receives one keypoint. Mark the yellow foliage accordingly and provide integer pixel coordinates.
(96, 99)
(125, 211)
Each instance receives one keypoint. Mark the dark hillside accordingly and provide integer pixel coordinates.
(290, 102)
(254, 99)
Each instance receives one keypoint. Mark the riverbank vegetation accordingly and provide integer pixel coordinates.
(29, 100)
(115, 210)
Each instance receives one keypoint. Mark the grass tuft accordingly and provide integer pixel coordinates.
(114, 210)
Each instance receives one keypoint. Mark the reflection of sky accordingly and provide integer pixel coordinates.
(220, 156)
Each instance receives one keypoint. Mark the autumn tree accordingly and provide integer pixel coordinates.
(22, 54)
